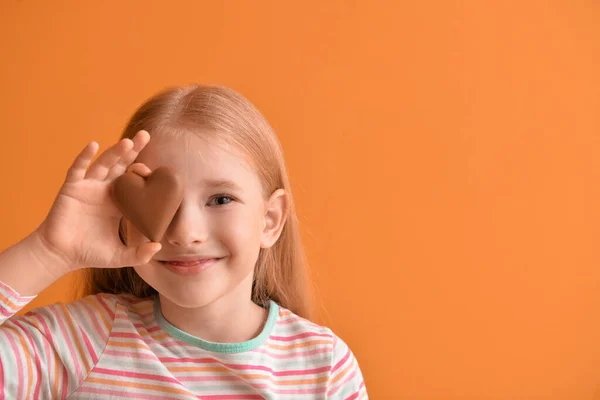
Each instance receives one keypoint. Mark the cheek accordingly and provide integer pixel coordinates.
(242, 226)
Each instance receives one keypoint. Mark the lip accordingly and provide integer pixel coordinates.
(189, 266)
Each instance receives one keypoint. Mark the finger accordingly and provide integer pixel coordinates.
(139, 255)
(140, 140)
(104, 163)
(140, 169)
(77, 170)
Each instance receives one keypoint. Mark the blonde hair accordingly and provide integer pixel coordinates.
(281, 271)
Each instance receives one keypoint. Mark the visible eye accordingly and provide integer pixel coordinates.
(222, 199)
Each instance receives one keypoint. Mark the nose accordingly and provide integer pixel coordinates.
(188, 227)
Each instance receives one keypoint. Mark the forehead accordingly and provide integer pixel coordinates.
(197, 159)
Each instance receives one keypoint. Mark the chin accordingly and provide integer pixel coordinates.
(198, 289)
(187, 296)
(187, 292)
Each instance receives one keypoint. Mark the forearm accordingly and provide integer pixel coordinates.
(29, 267)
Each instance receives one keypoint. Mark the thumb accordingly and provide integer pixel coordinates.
(141, 254)
(141, 169)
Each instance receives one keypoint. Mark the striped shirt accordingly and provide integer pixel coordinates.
(121, 347)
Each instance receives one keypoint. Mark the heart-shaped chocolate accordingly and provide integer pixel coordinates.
(150, 203)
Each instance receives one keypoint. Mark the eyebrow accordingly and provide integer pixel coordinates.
(222, 184)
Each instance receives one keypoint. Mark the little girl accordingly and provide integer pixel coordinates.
(218, 309)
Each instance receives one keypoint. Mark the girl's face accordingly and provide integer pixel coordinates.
(223, 215)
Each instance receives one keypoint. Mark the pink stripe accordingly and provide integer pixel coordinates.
(106, 307)
(38, 363)
(138, 375)
(355, 395)
(130, 354)
(5, 312)
(300, 336)
(121, 393)
(166, 342)
(89, 347)
(20, 380)
(341, 362)
(68, 340)
(350, 376)
(45, 327)
(292, 354)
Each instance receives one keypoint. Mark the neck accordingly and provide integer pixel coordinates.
(233, 318)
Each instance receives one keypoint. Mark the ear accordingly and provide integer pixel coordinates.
(276, 211)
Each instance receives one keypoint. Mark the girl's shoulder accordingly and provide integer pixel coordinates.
(320, 348)
(108, 306)
(92, 315)
(294, 329)
(292, 323)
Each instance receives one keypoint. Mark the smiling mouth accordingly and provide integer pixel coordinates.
(190, 263)
(189, 267)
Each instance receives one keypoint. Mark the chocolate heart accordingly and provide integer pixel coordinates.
(150, 203)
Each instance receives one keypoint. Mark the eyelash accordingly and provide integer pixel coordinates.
(218, 196)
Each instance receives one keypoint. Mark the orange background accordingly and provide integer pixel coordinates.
(444, 157)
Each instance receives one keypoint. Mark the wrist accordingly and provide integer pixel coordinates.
(51, 261)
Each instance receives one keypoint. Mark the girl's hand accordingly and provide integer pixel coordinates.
(82, 225)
